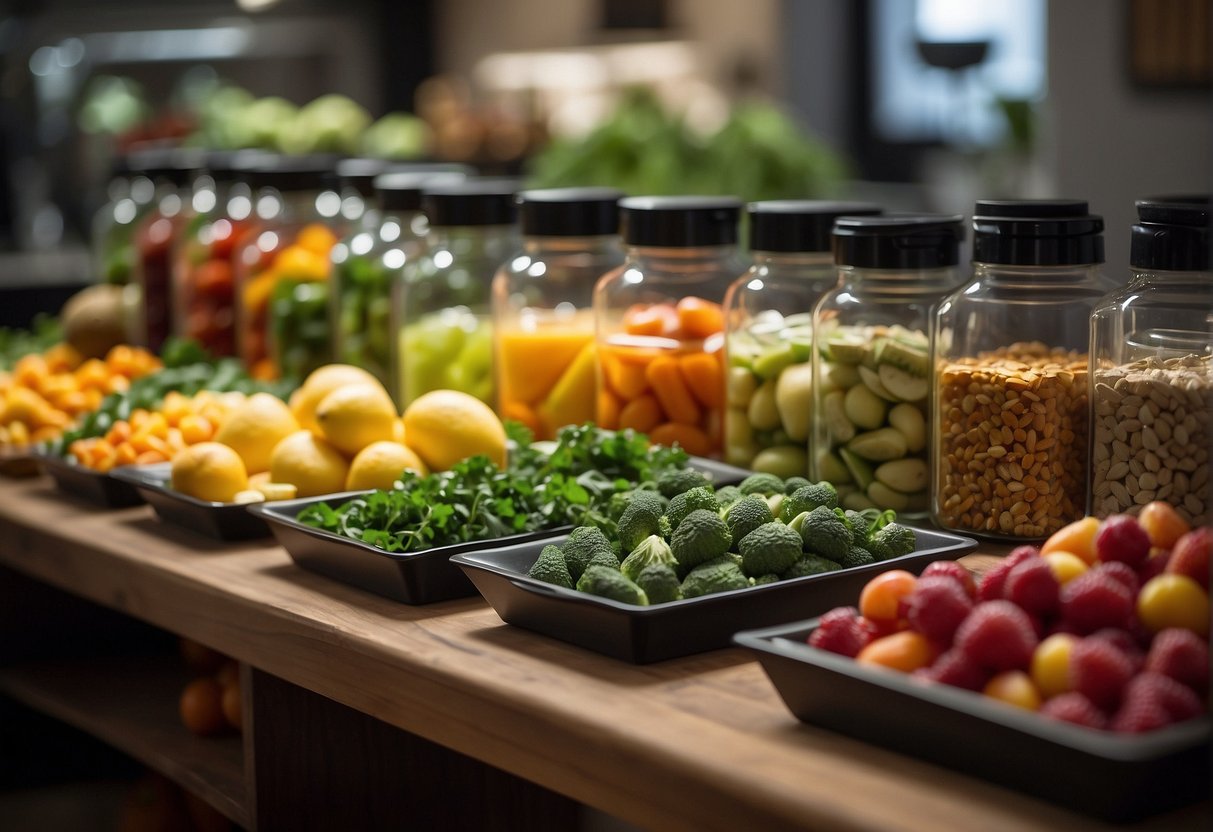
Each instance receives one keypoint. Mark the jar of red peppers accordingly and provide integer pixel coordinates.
(660, 328)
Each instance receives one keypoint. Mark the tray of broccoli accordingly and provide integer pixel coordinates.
(686, 569)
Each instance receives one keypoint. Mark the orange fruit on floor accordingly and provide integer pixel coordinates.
(201, 707)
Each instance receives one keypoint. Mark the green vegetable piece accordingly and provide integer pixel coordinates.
(764, 579)
(610, 583)
(701, 536)
(673, 483)
(810, 565)
(581, 547)
(791, 484)
(808, 498)
(639, 520)
(609, 559)
(892, 541)
(660, 583)
(716, 575)
(747, 514)
(764, 484)
(772, 547)
(551, 568)
(825, 532)
(856, 556)
(652, 550)
(728, 495)
(774, 361)
(701, 497)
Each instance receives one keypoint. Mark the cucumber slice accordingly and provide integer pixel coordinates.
(845, 348)
(879, 445)
(905, 357)
(871, 379)
(774, 360)
(902, 385)
(861, 471)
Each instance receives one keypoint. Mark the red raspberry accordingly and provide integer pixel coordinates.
(1121, 572)
(955, 668)
(998, 635)
(841, 631)
(1139, 715)
(936, 606)
(1191, 554)
(1177, 700)
(1094, 600)
(1121, 538)
(991, 586)
(954, 570)
(1182, 655)
(1154, 566)
(1033, 586)
(1100, 671)
(1125, 642)
(1076, 708)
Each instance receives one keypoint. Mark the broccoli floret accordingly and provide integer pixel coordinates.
(660, 583)
(792, 483)
(764, 484)
(583, 544)
(867, 522)
(701, 536)
(764, 579)
(810, 565)
(608, 559)
(640, 519)
(856, 556)
(808, 498)
(747, 514)
(893, 541)
(771, 547)
(650, 551)
(673, 483)
(664, 528)
(610, 583)
(718, 575)
(551, 568)
(683, 504)
(824, 532)
(728, 495)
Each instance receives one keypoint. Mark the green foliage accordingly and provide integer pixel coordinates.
(43, 334)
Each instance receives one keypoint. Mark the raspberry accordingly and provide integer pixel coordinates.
(1177, 700)
(1094, 600)
(1121, 572)
(1125, 642)
(1076, 708)
(1182, 655)
(998, 635)
(1191, 554)
(955, 668)
(841, 631)
(991, 586)
(952, 569)
(1033, 586)
(1138, 715)
(936, 606)
(1121, 538)
(1155, 565)
(1100, 671)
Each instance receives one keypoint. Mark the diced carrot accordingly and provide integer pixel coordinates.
(607, 412)
(692, 439)
(125, 454)
(703, 376)
(641, 414)
(194, 429)
(699, 318)
(120, 358)
(264, 370)
(650, 319)
(45, 433)
(120, 431)
(149, 458)
(624, 378)
(672, 392)
(519, 412)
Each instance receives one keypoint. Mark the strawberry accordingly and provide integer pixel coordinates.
(1190, 555)
(954, 570)
(1181, 655)
(1076, 708)
(842, 631)
(936, 606)
(1121, 538)
(998, 635)
(1100, 671)
(1032, 585)
(955, 668)
(1094, 600)
(991, 586)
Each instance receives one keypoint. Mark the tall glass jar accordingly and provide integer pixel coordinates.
(130, 194)
(282, 273)
(365, 264)
(1152, 369)
(442, 304)
(769, 338)
(871, 368)
(1010, 402)
(543, 317)
(659, 322)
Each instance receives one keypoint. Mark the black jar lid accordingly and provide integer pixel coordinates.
(569, 212)
(680, 221)
(1036, 232)
(898, 241)
(233, 165)
(1171, 234)
(402, 190)
(471, 202)
(360, 174)
(293, 173)
(178, 165)
(799, 225)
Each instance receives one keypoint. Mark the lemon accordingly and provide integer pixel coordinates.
(209, 471)
(379, 464)
(319, 384)
(309, 463)
(354, 416)
(446, 426)
(254, 427)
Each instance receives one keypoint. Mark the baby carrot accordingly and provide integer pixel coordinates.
(693, 440)
(625, 378)
(641, 414)
(703, 376)
(657, 319)
(671, 391)
(699, 318)
(607, 413)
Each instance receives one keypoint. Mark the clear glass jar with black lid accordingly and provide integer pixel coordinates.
(442, 305)
(1011, 351)
(769, 334)
(660, 324)
(1152, 368)
(871, 366)
(129, 195)
(543, 317)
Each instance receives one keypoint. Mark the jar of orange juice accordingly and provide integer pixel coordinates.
(660, 327)
(543, 318)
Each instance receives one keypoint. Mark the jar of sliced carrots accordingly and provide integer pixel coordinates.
(660, 324)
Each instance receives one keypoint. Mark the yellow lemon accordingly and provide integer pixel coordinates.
(319, 384)
(446, 426)
(309, 463)
(354, 416)
(379, 464)
(209, 471)
(254, 427)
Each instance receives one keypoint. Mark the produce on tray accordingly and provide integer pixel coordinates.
(683, 539)
(547, 371)
(15, 343)
(1106, 625)
(451, 349)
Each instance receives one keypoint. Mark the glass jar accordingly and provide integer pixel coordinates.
(442, 303)
(871, 368)
(130, 194)
(769, 337)
(364, 265)
(659, 322)
(1152, 369)
(282, 273)
(543, 317)
(1011, 349)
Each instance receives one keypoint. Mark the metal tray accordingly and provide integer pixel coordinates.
(95, 487)
(1111, 776)
(222, 521)
(18, 463)
(678, 628)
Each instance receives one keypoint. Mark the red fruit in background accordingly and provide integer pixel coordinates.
(842, 631)
(1121, 572)
(954, 570)
(1125, 642)
(1190, 556)
(1177, 699)
(1182, 655)
(998, 635)
(1140, 714)
(937, 606)
(1032, 585)
(1155, 565)
(1076, 708)
(991, 586)
(957, 669)
(1121, 538)
(1162, 523)
(1100, 671)
(1095, 600)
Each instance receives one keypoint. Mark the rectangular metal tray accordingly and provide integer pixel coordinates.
(222, 521)
(1112, 776)
(678, 628)
(93, 486)
(18, 463)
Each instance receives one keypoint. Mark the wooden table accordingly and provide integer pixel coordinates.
(698, 743)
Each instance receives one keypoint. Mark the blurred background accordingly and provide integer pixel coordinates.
(919, 104)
